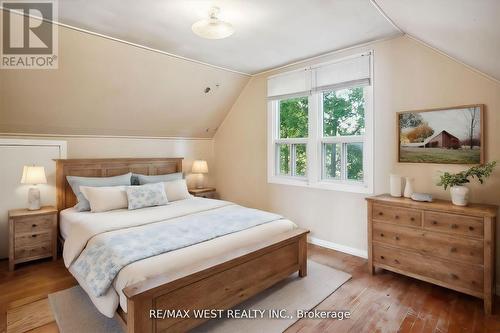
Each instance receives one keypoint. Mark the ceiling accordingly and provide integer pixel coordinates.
(468, 30)
(269, 33)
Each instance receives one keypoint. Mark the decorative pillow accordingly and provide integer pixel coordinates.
(144, 179)
(147, 195)
(75, 183)
(134, 180)
(103, 199)
(177, 190)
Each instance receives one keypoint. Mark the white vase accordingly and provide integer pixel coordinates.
(395, 185)
(408, 187)
(459, 195)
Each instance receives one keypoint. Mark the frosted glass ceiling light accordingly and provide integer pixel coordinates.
(213, 27)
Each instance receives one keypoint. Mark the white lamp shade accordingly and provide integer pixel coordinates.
(33, 175)
(200, 166)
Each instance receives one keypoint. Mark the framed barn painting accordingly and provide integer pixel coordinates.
(452, 135)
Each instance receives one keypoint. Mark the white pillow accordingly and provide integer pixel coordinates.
(176, 190)
(103, 199)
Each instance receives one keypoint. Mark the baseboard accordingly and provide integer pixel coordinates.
(339, 247)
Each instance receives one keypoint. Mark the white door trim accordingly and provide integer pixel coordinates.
(61, 145)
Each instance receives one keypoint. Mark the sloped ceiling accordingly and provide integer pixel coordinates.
(468, 30)
(104, 87)
(268, 33)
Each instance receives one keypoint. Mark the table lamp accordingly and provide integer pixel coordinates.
(200, 167)
(33, 175)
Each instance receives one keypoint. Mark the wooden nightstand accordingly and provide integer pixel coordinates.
(32, 235)
(206, 192)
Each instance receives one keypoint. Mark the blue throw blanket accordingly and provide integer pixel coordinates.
(107, 253)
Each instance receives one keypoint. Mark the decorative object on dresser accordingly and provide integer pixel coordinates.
(199, 167)
(421, 197)
(205, 192)
(437, 242)
(408, 187)
(32, 235)
(455, 181)
(33, 175)
(452, 135)
(395, 185)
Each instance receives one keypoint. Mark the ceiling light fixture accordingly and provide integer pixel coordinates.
(213, 27)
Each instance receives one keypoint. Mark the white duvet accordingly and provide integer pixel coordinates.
(86, 225)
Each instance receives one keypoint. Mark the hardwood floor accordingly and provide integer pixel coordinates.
(386, 302)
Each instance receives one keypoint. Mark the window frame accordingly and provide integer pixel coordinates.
(291, 142)
(314, 145)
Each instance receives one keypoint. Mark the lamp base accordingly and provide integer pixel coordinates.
(34, 198)
(199, 181)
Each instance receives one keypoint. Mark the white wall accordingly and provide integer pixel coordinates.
(407, 76)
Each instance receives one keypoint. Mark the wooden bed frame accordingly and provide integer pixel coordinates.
(219, 283)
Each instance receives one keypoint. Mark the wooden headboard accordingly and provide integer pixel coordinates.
(107, 167)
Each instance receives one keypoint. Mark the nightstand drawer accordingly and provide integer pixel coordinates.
(208, 195)
(32, 225)
(41, 250)
(32, 240)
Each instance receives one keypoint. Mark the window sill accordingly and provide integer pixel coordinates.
(323, 185)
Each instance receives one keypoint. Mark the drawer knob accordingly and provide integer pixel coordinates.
(471, 228)
(412, 219)
(454, 226)
(396, 261)
(397, 217)
(453, 249)
(381, 235)
(33, 225)
(380, 213)
(397, 237)
(434, 222)
(382, 257)
(34, 236)
(454, 276)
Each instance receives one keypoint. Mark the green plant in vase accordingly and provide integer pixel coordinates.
(456, 181)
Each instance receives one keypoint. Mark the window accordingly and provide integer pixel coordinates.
(320, 131)
(343, 127)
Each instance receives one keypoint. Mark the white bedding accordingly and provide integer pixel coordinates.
(67, 218)
(79, 227)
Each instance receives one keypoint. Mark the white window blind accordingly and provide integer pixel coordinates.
(353, 71)
(289, 84)
(330, 76)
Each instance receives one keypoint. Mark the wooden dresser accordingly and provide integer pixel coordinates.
(437, 242)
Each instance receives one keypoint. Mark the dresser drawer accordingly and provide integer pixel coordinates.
(453, 274)
(32, 240)
(33, 225)
(398, 215)
(454, 224)
(430, 243)
(43, 249)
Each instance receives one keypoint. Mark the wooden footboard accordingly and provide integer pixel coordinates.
(217, 284)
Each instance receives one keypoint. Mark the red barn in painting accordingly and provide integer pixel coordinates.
(442, 140)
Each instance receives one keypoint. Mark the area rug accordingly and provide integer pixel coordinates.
(75, 313)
